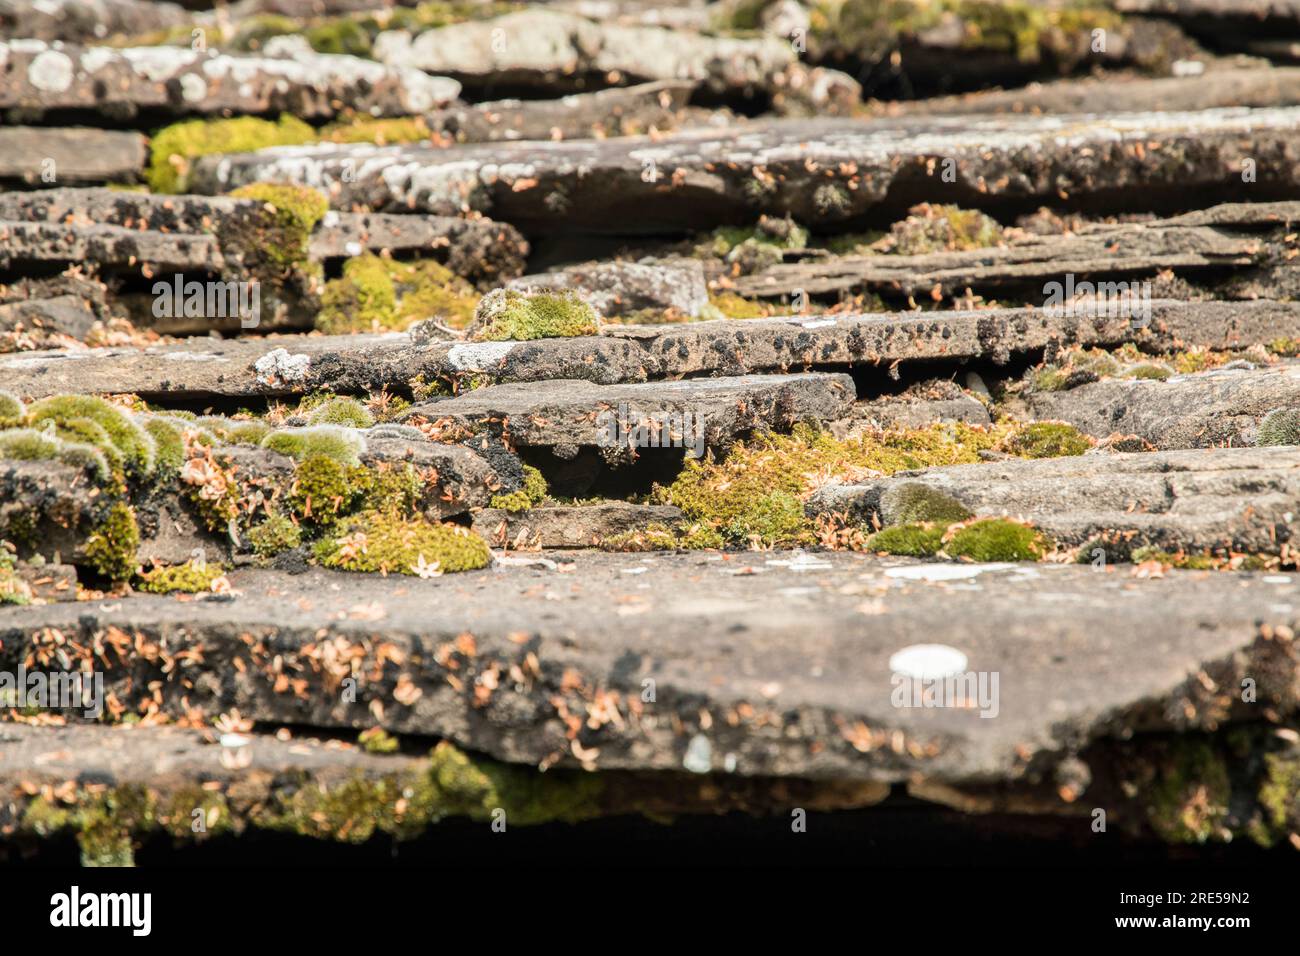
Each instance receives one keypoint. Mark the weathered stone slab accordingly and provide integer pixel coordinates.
(1242, 237)
(288, 365)
(1238, 499)
(691, 414)
(762, 664)
(818, 171)
(564, 526)
(1204, 410)
(47, 78)
(621, 111)
(31, 155)
(1212, 89)
(86, 20)
(106, 245)
(545, 47)
(625, 288)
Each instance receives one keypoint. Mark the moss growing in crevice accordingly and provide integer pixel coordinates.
(111, 547)
(532, 493)
(173, 148)
(1046, 440)
(917, 540)
(1189, 800)
(192, 577)
(938, 228)
(995, 539)
(273, 535)
(283, 238)
(376, 293)
(386, 542)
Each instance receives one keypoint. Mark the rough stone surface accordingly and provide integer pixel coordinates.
(940, 401)
(47, 78)
(625, 288)
(1238, 499)
(570, 414)
(32, 155)
(561, 526)
(819, 171)
(1204, 410)
(788, 655)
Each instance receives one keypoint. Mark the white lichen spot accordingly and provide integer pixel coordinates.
(928, 662)
(478, 356)
(51, 72)
(279, 366)
(193, 88)
(699, 755)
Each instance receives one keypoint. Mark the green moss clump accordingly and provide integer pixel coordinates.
(134, 444)
(28, 444)
(1279, 793)
(13, 589)
(377, 293)
(111, 547)
(912, 502)
(274, 534)
(508, 315)
(755, 494)
(1047, 440)
(376, 740)
(1181, 560)
(188, 578)
(169, 444)
(297, 209)
(1285, 347)
(997, 539)
(532, 493)
(386, 542)
(1150, 371)
(342, 410)
(317, 441)
(236, 431)
(918, 540)
(381, 132)
(1280, 427)
(728, 305)
(324, 489)
(11, 408)
(1189, 801)
(937, 228)
(175, 147)
(340, 35)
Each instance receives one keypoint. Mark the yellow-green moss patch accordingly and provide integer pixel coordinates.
(192, 577)
(996, 539)
(507, 314)
(174, 148)
(389, 543)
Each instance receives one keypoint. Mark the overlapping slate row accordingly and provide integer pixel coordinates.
(1253, 240)
(42, 79)
(819, 171)
(289, 365)
(571, 414)
(1224, 499)
(1204, 410)
(1214, 88)
(762, 665)
(37, 156)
